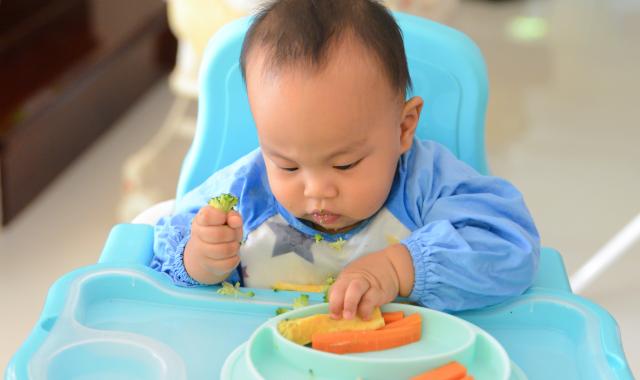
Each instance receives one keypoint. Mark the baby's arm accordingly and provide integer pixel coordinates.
(372, 280)
(172, 235)
(475, 244)
(212, 252)
(177, 245)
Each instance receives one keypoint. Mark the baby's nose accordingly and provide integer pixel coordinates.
(320, 188)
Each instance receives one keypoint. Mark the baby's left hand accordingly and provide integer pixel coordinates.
(366, 283)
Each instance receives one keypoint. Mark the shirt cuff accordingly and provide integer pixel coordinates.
(180, 275)
(425, 275)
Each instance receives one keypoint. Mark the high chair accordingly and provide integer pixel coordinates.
(120, 319)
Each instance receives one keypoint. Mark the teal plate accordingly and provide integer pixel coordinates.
(268, 355)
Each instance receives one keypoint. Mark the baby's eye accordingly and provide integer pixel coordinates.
(346, 167)
(293, 169)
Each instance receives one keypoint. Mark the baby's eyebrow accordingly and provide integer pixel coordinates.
(276, 154)
(352, 147)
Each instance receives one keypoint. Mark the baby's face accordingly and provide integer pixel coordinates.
(330, 139)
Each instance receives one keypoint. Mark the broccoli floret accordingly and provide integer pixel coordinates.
(298, 302)
(228, 289)
(330, 281)
(282, 310)
(318, 238)
(301, 301)
(224, 202)
(338, 244)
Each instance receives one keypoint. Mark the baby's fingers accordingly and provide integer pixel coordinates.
(210, 216)
(336, 298)
(223, 265)
(234, 220)
(217, 234)
(370, 300)
(352, 297)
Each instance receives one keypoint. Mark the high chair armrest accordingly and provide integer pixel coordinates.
(551, 271)
(128, 244)
(132, 243)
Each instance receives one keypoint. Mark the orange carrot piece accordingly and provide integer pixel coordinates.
(392, 316)
(411, 320)
(345, 342)
(450, 371)
(468, 377)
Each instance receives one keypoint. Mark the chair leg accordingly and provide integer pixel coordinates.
(606, 256)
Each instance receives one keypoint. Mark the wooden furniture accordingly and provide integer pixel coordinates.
(68, 70)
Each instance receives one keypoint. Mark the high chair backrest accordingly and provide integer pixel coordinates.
(446, 68)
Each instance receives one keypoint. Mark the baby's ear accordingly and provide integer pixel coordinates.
(409, 122)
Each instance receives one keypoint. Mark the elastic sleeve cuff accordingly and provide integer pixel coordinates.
(180, 275)
(425, 276)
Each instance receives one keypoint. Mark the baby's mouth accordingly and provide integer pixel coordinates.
(325, 218)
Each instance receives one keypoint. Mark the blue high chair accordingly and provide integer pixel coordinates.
(120, 319)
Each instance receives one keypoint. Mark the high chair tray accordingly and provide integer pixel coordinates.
(108, 322)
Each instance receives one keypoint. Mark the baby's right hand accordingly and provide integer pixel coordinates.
(212, 251)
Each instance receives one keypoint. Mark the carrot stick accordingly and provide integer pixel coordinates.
(392, 316)
(413, 319)
(345, 342)
(451, 371)
(468, 377)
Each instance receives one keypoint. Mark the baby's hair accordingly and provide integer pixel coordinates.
(302, 32)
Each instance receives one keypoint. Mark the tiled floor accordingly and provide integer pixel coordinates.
(561, 125)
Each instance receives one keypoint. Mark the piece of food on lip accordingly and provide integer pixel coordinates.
(400, 333)
(304, 288)
(300, 330)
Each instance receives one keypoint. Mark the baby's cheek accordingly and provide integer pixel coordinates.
(286, 193)
(372, 194)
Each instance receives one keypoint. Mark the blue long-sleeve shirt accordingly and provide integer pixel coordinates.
(471, 238)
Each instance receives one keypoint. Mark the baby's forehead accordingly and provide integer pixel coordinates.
(346, 53)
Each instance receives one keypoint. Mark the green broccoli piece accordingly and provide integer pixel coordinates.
(301, 301)
(330, 280)
(228, 289)
(282, 310)
(298, 302)
(318, 238)
(338, 244)
(224, 202)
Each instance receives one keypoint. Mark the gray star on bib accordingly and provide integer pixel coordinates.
(288, 239)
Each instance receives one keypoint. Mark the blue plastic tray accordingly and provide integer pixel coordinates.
(127, 321)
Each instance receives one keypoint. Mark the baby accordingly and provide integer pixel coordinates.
(341, 187)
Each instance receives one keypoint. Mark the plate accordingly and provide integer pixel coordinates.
(268, 355)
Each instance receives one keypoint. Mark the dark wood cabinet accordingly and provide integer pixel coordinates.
(68, 70)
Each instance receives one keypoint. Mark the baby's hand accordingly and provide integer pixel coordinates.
(213, 249)
(367, 282)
